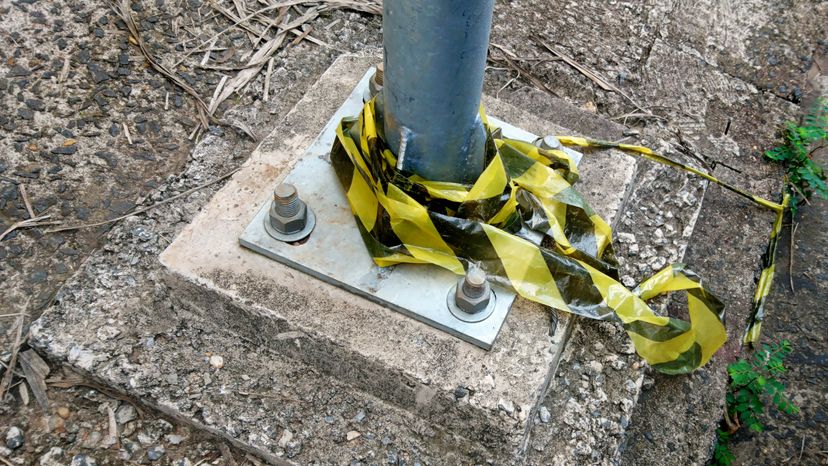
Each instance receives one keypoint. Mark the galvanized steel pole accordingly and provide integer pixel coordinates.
(435, 55)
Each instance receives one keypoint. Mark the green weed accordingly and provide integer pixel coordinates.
(752, 383)
(803, 176)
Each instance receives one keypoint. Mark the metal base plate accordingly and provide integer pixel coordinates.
(335, 253)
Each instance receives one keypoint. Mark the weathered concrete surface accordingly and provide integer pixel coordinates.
(698, 44)
(377, 350)
(142, 333)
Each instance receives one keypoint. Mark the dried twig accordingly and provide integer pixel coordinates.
(227, 454)
(74, 380)
(64, 71)
(517, 75)
(5, 383)
(595, 77)
(112, 435)
(531, 77)
(213, 105)
(32, 222)
(266, 90)
(302, 36)
(26, 201)
(144, 209)
(36, 370)
(123, 10)
(126, 133)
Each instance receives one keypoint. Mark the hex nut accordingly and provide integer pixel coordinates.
(549, 143)
(471, 305)
(289, 225)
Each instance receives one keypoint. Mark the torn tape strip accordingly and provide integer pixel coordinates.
(763, 288)
(523, 189)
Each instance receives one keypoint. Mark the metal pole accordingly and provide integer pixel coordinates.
(435, 55)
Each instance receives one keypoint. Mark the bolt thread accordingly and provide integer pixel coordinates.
(379, 74)
(287, 207)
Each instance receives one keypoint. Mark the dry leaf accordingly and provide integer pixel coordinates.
(24, 393)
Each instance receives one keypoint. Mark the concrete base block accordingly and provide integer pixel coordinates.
(485, 396)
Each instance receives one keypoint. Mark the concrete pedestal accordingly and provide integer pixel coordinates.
(487, 397)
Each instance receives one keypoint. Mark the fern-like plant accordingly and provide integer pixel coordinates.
(752, 383)
(803, 176)
(721, 454)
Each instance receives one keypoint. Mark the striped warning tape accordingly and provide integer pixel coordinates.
(763, 288)
(524, 192)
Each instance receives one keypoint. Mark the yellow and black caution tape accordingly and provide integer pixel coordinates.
(763, 288)
(523, 191)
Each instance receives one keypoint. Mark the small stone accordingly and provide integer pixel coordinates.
(217, 361)
(18, 71)
(65, 150)
(99, 75)
(359, 417)
(183, 462)
(92, 440)
(83, 460)
(352, 435)
(286, 437)
(63, 412)
(460, 392)
(51, 458)
(36, 104)
(125, 413)
(506, 406)
(14, 437)
(155, 453)
(544, 414)
(173, 439)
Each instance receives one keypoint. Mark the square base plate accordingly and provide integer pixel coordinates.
(334, 251)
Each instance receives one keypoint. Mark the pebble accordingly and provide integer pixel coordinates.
(14, 437)
(155, 453)
(506, 406)
(460, 392)
(83, 460)
(174, 439)
(359, 417)
(352, 435)
(63, 412)
(99, 75)
(18, 71)
(217, 361)
(286, 437)
(125, 413)
(544, 414)
(51, 458)
(92, 440)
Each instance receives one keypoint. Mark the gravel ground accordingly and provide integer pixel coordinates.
(72, 86)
